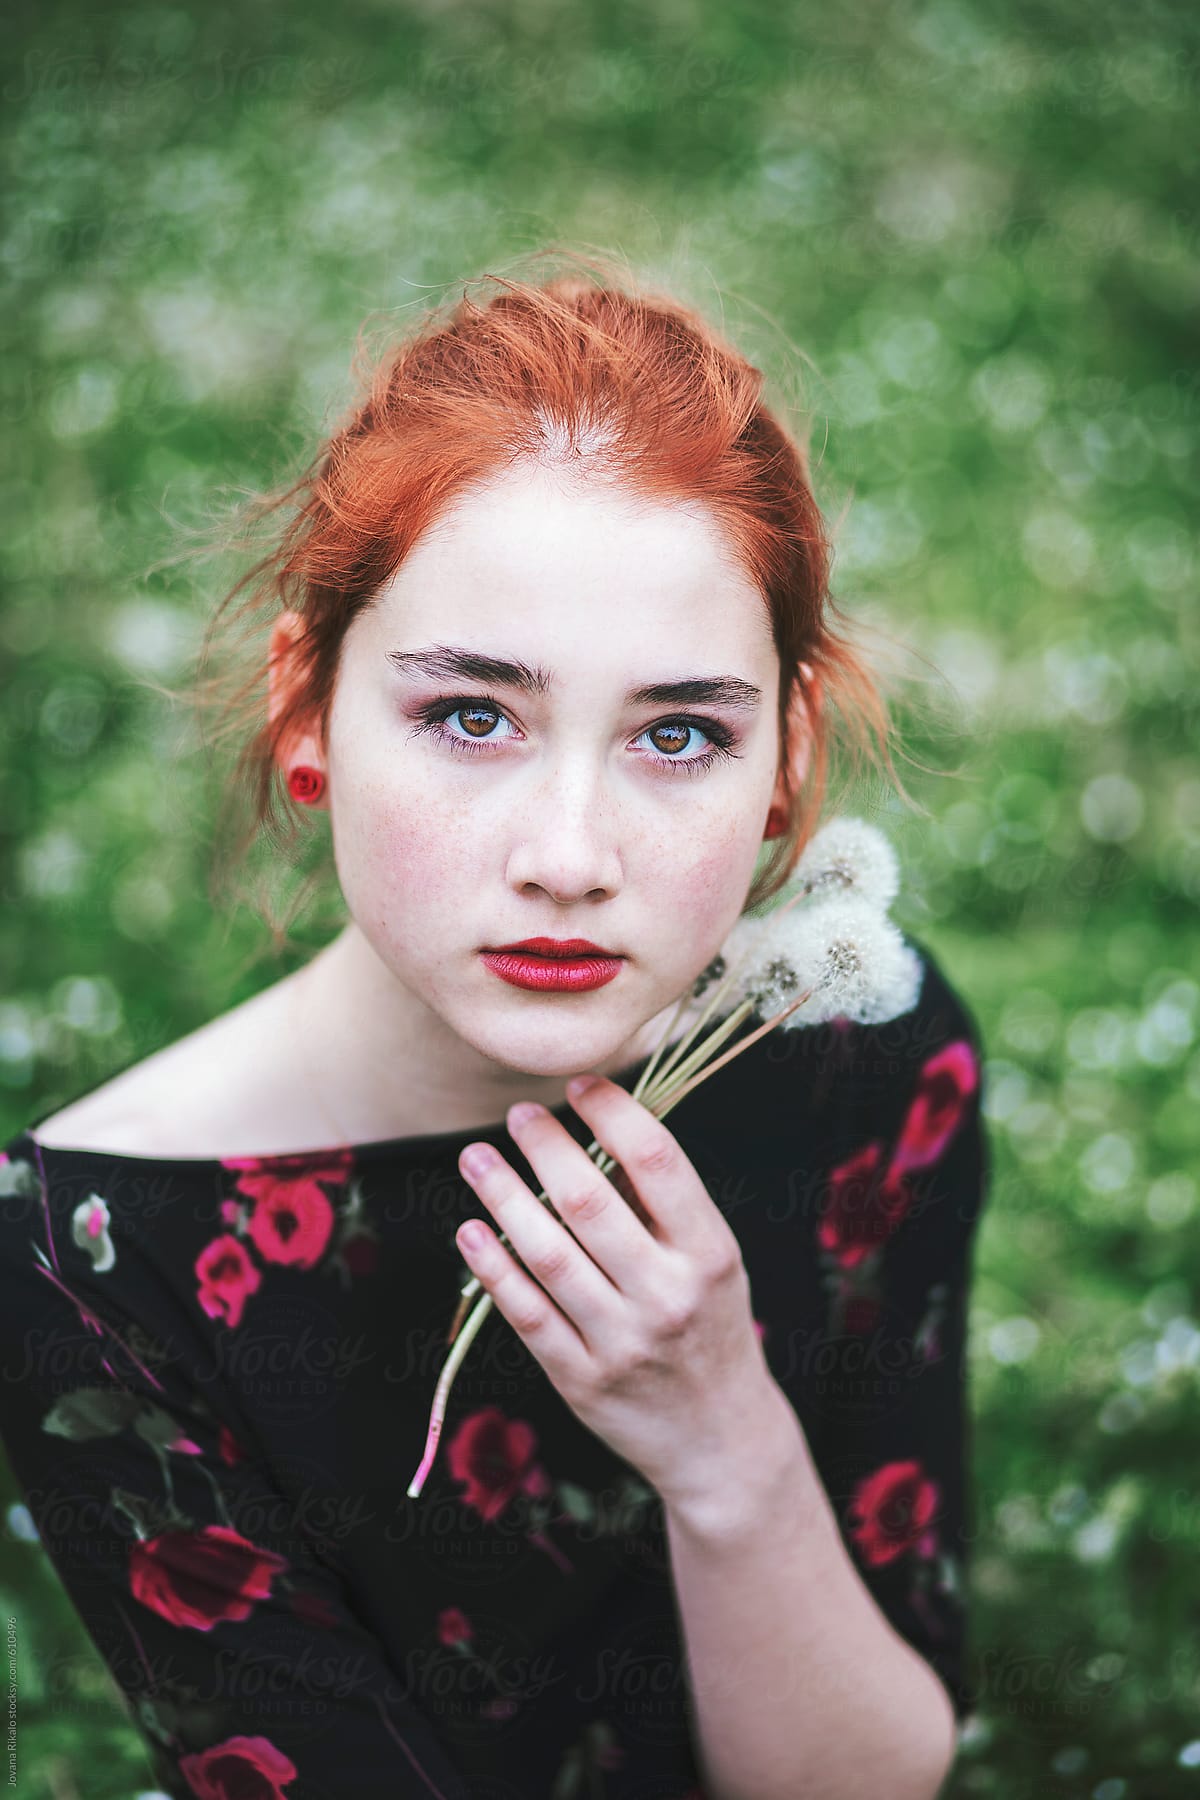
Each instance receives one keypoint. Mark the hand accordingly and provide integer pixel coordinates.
(638, 1308)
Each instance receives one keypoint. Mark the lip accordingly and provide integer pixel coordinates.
(547, 946)
(554, 965)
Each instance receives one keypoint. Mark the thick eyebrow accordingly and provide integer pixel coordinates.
(445, 662)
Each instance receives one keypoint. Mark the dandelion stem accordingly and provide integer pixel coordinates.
(668, 1077)
(442, 1392)
(736, 1049)
(472, 1286)
(667, 1095)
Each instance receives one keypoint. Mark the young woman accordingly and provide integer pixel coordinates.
(551, 644)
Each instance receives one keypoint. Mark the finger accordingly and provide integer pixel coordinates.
(550, 1337)
(681, 1209)
(543, 1244)
(589, 1204)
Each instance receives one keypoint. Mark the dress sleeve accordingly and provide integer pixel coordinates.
(898, 1214)
(232, 1644)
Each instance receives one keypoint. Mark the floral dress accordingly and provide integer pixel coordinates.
(217, 1380)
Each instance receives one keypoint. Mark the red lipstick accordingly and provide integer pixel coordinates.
(554, 965)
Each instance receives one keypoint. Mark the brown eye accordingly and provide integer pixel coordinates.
(680, 733)
(466, 713)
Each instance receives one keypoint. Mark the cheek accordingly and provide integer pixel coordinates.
(708, 876)
(720, 887)
(414, 853)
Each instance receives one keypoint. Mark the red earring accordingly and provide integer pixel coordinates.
(777, 822)
(305, 784)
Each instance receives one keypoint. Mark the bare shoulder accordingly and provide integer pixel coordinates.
(189, 1099)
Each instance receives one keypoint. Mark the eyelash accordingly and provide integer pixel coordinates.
(433, 716)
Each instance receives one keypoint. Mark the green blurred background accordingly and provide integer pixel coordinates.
(965, 238)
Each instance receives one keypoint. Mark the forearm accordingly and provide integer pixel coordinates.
(800, 1687)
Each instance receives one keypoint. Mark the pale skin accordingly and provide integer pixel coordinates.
(646, 1329)
(800, 1685)
(566, 818)
(566, 821)
(571, 823)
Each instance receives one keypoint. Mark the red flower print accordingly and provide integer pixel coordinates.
(494, 1456)
(313, 1610)
(360, 1253)
(890, 1511)
(610, 1756)
(335, 1165)
(861, 1313)
(862, 1208)
(292, 1224)
(227, 1278)
(946, 1083)
(242, 1768)
(453, 1625)
(199, 1578)
(292, 1216)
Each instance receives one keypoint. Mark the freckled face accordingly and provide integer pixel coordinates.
(467, 813)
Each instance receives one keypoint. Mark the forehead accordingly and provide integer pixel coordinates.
(565, 552)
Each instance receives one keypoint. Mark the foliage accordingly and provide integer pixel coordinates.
(962, 238)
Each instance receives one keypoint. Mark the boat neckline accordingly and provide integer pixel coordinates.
(371, 1149)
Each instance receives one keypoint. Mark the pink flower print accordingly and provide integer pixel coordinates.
(537, 1482)
(494, 1455)
(231, 1213)
(862, 1207)
(946, 1083)
(242, 1768)
(227, 1444)
(292, 1217)
(890, 1512)
(453, 1626)
(227, 1279)
(89, 1230)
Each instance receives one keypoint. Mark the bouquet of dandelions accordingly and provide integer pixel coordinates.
(825, 950)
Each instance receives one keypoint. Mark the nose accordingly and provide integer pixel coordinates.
(565, 841)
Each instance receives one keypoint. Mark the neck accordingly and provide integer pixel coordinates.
(385, 1065)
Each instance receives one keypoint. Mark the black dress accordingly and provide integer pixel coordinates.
(217, 1378)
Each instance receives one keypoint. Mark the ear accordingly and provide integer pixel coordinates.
(301, 747)
(792, 773)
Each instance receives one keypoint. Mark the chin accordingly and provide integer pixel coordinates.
(534, 1047)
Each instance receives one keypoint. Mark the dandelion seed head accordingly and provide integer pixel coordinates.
(851, 957)
(712, 972)
(848, 856)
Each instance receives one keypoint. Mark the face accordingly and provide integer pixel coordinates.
(470, 813)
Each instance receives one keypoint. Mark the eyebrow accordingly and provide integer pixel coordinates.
(445, 662)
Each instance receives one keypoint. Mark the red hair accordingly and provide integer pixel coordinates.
(583, 371)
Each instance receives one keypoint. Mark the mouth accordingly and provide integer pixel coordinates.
(556, 948)
(548, 965)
